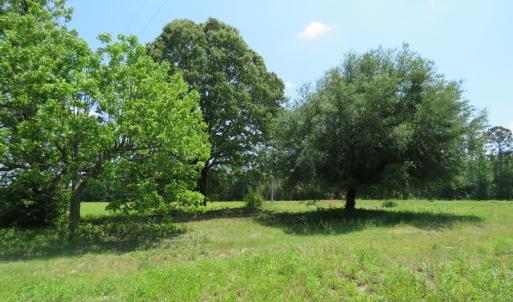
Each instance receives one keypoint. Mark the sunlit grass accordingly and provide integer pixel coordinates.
(414, 250)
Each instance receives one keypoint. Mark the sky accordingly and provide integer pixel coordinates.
(299, 40)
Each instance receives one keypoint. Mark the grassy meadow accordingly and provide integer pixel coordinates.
(295, 251)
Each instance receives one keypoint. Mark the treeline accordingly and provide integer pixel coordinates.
(486, 173)
(195, 116)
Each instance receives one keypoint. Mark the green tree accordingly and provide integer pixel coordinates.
(74, 116)
(239, 97)
(501, 146)
(381, 118)
(474, 179)
(37, 54)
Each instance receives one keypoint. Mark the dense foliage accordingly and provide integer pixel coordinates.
(384, 118)
(38, 58)
(70, 116)
(239, 97)
(488, 168)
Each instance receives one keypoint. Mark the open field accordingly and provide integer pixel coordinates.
(296, 251)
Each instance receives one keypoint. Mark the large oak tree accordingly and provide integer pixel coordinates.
(385, 117)
(239, 97)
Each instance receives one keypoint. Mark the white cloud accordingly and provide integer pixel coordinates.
(314, 30)
(289, 85)
(510, 125)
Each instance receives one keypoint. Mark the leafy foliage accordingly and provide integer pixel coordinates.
(383, 118)
(239, 98)
(32, 199)
(487, 169)
(70, 116)
(501, 144)
(254, 201)
(160, 140)
(39, 63)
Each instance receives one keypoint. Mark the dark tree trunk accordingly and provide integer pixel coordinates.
(202, 184)
(74, 210)
(350, 199)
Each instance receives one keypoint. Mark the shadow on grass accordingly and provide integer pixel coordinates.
(338, 221)
(120, 233)
(109, 234)
(185, 216)
(116, 233)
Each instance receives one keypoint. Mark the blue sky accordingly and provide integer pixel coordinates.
(299, 40)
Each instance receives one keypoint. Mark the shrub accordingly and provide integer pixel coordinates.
(31, 201)
(254, 201)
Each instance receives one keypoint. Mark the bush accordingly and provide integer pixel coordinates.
(31, 202)
(254, 201)
(389, 204)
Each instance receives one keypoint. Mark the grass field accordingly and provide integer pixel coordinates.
(290, 251)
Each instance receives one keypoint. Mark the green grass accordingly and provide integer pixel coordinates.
(293, 251)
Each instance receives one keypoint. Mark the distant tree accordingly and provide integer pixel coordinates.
(381, 118)
(239, 97)
(474, 180)
(501, 140)
(69, 116)
(478, 176)
(501, 145)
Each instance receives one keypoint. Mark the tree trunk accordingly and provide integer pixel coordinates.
(202, 184)
(74, 210)
(350, 199)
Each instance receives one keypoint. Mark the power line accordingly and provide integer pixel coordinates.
(136, 15)
(154, 15)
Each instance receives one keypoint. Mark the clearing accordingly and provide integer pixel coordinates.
(295, 251)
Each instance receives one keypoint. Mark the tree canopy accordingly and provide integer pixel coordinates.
(69, 115)
(381, 118)
(239, 98)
